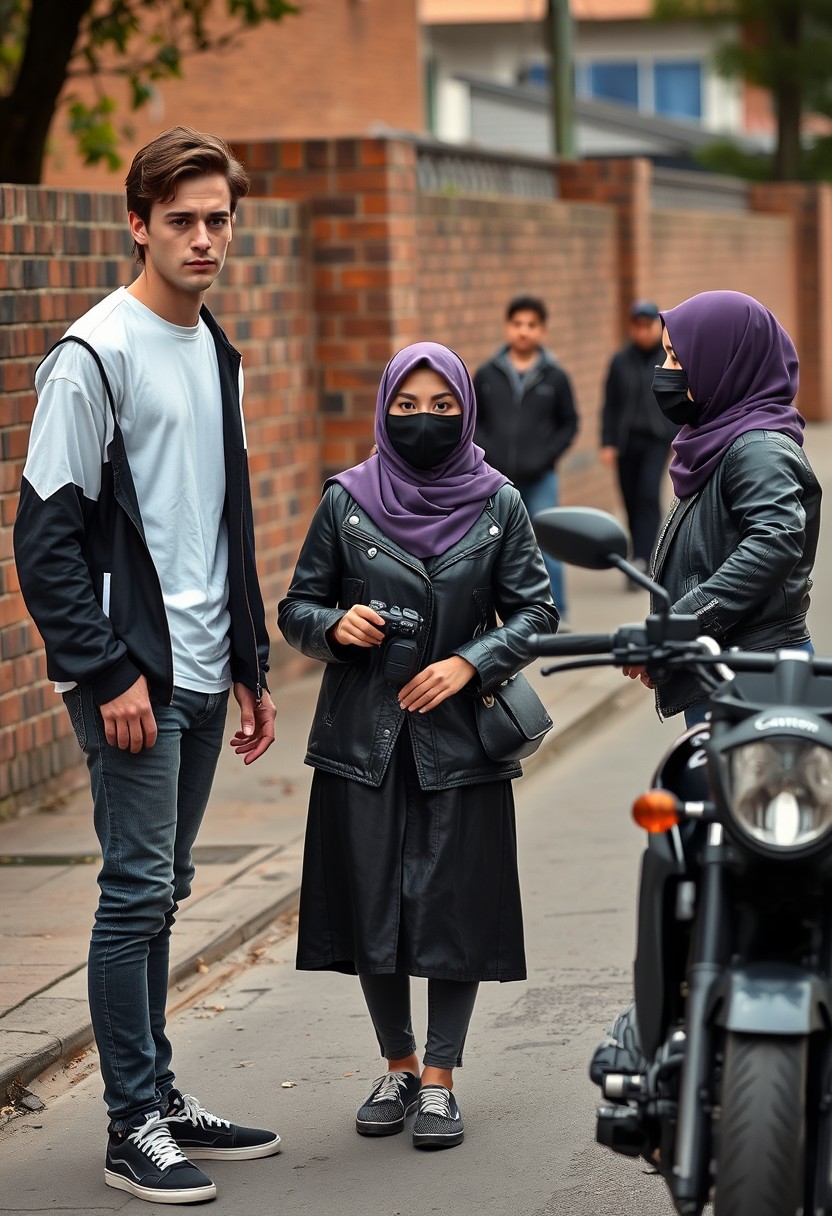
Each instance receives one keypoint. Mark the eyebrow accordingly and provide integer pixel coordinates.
(224, 212)
(435, 397)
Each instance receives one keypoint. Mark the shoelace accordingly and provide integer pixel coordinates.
(435, 1102)
(193, 1112)
(156, 1142)
(389, 1086)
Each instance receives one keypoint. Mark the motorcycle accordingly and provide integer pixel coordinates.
(720, 1074)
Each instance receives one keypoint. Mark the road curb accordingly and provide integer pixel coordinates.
(50, 1028)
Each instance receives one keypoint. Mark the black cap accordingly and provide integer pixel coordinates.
(644, 308)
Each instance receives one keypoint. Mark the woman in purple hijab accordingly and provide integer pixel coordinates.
(738, 546)
(410, 864)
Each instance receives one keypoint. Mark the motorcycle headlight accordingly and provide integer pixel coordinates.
(780, 791)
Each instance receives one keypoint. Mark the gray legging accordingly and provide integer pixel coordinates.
(450, 1005)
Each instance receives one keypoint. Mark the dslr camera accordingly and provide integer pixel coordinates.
(402, 631)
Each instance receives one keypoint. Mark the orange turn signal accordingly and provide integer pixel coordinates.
(656, 811)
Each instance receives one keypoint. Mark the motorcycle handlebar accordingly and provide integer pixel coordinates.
(570, 644)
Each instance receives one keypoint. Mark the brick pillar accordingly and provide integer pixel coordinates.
(361, 206)
(810, 206)
(626, 185)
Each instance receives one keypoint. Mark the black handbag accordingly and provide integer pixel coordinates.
(512, 720)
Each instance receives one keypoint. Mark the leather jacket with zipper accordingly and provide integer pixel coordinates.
(739, 553)
(66, 545)
(495, 570)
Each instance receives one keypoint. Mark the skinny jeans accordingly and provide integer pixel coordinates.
(450, 1006)
(148, 808)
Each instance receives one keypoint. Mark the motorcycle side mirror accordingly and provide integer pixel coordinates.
(581, 536)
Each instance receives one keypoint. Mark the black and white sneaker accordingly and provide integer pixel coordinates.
(204, 1136)
(148, 1163)
(438, 1119)
(392, 1099)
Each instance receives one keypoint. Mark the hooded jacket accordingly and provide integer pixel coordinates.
(75, 542)
(524, 423)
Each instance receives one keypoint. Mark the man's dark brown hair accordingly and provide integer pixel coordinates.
(181, 152)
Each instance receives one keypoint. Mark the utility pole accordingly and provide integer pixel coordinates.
(559, 37)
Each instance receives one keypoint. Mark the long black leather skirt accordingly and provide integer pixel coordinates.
(404, 879)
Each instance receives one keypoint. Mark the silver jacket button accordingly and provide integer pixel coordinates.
(493, 529)
(372, 552)
(354, 519)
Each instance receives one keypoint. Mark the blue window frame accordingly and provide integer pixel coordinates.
(677, 88)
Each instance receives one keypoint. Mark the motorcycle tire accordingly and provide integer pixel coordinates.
(760, 1159)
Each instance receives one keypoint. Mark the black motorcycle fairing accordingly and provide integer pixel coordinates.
(661, 952)
(772, 999)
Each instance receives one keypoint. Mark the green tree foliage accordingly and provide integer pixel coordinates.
(784, 46)
(46, 44)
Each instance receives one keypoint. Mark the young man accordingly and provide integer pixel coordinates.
(526, 416)
(134, 545)
(635, 435)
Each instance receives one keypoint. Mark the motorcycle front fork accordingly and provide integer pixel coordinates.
(690, 1182)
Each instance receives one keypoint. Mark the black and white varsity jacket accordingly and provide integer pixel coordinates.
(70, 547)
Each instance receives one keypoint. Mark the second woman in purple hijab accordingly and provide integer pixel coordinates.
(410, 863)
(738, 547)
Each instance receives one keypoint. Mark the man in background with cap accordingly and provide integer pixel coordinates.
(635, 435)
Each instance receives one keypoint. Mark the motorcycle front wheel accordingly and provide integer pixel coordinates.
(760, 1158)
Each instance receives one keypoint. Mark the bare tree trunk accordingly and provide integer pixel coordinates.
(26, 113)
(788, 96)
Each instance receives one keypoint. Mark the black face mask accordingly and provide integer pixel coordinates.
(670, 388)
(424, 440)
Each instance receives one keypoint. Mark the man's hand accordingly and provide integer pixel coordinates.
(436, 683)
(638, 673)
(256, 733)
(360, 626)
(609, 457)
(128, 719)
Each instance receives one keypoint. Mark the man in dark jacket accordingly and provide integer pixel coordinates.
(635, 436)
(135, 552)
(526, 417)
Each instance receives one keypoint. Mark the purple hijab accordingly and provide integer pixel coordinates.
(425, 511)
(742, 366)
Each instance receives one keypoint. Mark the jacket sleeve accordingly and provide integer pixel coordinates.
(481, 433)
(309, 608)
(611, 407)
(763, 491)
(523, 600)
(61, 484)
(566, 416)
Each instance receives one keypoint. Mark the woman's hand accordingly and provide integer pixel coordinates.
(638, 673)
(359, 626)
(436, 683)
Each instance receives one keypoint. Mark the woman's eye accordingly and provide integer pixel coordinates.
(441, 406)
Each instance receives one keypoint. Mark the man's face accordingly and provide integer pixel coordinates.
(187, 238)
(646, 332)
(524, 331)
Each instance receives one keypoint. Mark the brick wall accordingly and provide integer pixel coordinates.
(338, 263)
(60, 252)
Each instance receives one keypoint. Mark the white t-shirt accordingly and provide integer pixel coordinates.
(165, 381)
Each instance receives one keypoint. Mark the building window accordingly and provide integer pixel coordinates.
(677, 89)
(613, 81)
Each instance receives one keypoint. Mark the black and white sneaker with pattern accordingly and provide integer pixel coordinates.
(204, 1136)
(438, 1119)
(149, 1164)
(392, 1099)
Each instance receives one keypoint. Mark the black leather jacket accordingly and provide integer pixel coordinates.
(495, 569)
(739, 553)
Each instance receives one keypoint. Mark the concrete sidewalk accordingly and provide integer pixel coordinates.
(249, 850)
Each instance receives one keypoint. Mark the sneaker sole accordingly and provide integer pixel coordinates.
(433, 1141)
(200, 1194)
(250, 1153)
(366, 1127)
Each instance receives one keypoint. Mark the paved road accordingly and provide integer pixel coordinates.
(524, 1092)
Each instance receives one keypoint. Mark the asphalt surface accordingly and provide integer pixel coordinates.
(524, 1092)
